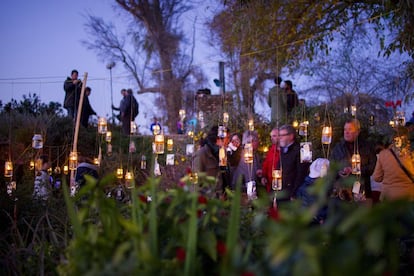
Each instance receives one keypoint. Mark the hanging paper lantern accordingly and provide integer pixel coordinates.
(248, 153)
(73, 160)
(65, 169)
(170, 144)
(277, 180)
(225, 117)
(37, 141)
(119, 173)
(159, 144)
(102, 125)
(326, 135)
(31, 165)
(356, 164)
(108, 137)
(143, 162)
(8, 169)
(134, 127)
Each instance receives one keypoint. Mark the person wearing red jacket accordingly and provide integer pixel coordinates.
(272, 160)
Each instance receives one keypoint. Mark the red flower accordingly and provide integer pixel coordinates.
(188, 171)
(273, 213)
(202, 199)
(398, 103)
(199, 213)
(180, 254)
(221, 248)
(247, 273)
(143, 198)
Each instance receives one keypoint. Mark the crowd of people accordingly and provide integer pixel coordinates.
(379, 175)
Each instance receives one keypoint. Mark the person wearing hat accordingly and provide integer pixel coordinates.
(318, 169)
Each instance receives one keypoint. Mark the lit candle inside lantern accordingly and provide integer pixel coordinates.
(57, 170)
(277, 180)
(392, 123)
(295, 124)
(251, 125)
(248, 153)
(353, 110)
(31, 165)
(119, 173)
(159, 144)
(133, 128)
(326, 135)
(8, 169)
(225, 117)
(303, 128)
(65, 169)
(37, 141)
(190, 133)
(170, 144)
(96, 161)
(143, 162)
(128, 175)
(73, 160)
(181, 113)
(102, 125)
(222, 157)
(108, 137)
(156, 129)
(356, 163)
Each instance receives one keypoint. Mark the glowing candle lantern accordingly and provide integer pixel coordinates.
(190, 134)
(222, 132)
(248, 153)
(251, 125)
(38, 164)
(119, 173)
(128, 175)
(65, 169)
(295, 124)
(159, 144)
(96, 161)
(356, 164)
(181, 113)
(156, 129)
(143, 162)
(49, 171)
(57, 170)
(102, 125)
(31, 165)
(133, 128)
(170, 144)
(222, 157)
(277, 180)
(303, 129)
(8, 169)
(392, 123)
(37, 141)
(108, 137)
(73, 160)
(225, 117)
(353, 110)
(326, 135)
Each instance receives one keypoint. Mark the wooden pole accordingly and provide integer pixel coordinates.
(78, 116)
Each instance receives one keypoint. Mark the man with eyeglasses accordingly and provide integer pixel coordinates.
(293, 171)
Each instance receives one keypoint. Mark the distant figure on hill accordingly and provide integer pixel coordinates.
(72, 87)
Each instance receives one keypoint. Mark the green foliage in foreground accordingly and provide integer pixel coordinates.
(179, 232)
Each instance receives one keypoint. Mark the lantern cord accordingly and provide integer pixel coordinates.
(326, 120)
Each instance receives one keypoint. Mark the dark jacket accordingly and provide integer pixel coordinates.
(342, 154)
(87, 111)
(85, 168)
(293, 171)
(72, 93)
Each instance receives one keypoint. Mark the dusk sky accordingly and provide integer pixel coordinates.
(41, 44)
